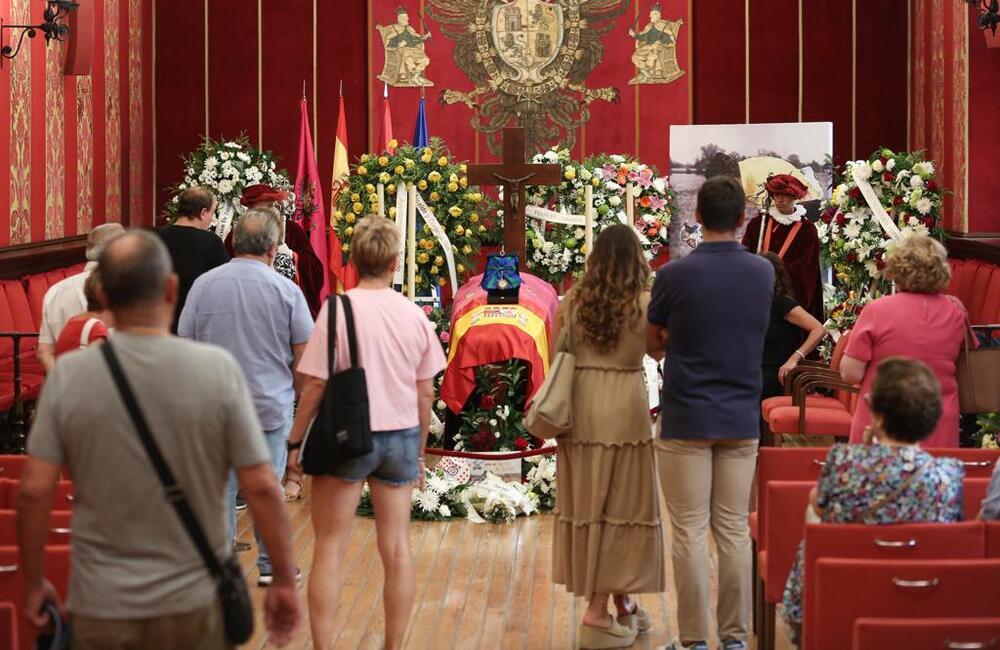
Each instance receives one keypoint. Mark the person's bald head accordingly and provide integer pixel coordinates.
(136, 272)
(257, 233)
(100, 237)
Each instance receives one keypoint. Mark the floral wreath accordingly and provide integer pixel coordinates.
(556, 251)
(443, 184)
(855, 244)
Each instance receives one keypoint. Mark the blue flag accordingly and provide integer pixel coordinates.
(420, 137)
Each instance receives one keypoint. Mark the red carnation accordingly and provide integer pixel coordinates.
(880, 262)
(852, 257)
(487, 403)
(482, 440)
(841, 219)
(521, 444)
(854, 193)
(888, 177)
(929, 222)
(884, 159)
(932, 186)
(828, 215)
(897, 200)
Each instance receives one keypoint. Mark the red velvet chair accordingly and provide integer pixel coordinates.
(851, 589)
(973, 493)
(783, 464)
(12, 465)
(978, 463)
(57, 569)
(993, 539)
(964, 540)
(780, 537)
(36, 286)
(8, 626)
(61, 500)
(936, 633)
(59, 528)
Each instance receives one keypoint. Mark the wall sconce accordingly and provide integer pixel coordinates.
(52, 25)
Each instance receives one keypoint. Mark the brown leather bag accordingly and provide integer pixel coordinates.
(978, 375)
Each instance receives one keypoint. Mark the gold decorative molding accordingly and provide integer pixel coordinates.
(85, 154)
(20, 135)
(112, 103)
(136, 116)
(55, 138)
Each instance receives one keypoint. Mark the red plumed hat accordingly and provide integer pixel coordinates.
(254, 194)
(786, 184)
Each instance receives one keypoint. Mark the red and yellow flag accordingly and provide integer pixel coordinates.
(344, 275)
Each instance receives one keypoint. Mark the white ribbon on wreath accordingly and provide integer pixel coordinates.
(551, 216)
(225, 218)
(435, 227)
(874, 204)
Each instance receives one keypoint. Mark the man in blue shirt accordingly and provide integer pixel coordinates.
(262, 318)
(709, 313)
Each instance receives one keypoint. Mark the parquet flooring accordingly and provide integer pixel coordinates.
(479, 586)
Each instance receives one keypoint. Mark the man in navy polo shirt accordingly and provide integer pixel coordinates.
(709, 313)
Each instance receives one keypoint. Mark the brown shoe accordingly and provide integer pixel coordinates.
(599, 638)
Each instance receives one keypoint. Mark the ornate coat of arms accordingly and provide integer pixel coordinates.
(529, 61)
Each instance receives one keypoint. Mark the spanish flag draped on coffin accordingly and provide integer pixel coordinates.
(482, 333)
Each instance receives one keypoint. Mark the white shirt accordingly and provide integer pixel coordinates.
(64, 300)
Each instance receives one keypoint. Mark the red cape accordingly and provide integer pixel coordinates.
(801, 261)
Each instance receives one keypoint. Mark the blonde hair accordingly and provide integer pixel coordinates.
(918, 264)
(606, 299)
(374, 245)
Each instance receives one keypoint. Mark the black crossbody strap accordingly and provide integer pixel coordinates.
(352, 339)
(331, 335)
(173, 491)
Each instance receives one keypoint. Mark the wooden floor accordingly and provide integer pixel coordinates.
(478, 586)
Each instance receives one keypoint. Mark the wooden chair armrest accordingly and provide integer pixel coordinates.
(804, 366)
(806, 376)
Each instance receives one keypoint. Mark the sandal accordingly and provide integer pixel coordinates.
(293, 488)
(599, 638)
(638, 620)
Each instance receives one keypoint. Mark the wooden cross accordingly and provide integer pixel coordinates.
(513, 174)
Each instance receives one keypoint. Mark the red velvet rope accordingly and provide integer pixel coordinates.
(514, 455)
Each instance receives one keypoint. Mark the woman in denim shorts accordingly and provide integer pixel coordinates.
(399, 350)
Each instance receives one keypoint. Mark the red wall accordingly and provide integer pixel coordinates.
(77, 151)
(237, 68)
(984, 135)
(872, 115)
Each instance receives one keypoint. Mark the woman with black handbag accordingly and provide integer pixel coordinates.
(364, 415)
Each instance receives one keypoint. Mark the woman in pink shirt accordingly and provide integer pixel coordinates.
(400, 353)
(918, 322)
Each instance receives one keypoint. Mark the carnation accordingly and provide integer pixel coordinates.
(878, 166)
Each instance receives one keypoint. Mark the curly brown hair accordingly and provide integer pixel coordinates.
(607, 297)
(782, 283)
(918, 264)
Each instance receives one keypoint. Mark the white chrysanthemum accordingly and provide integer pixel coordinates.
(547, 247)
(615, 201)
(890, 164)
(852, 231)
(617, 158)
(226, 187)
(441, 405)
(211, 161)
(864, 170)
(878, 166)
(913, 222)
(234, 145)
(244, 157)
(437, 483)
(916, 181)
(428, 501)
(579, 233)
(924, 205)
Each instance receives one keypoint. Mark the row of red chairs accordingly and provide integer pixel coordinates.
(19, 631)
(61, 500)
(60, 527)
(931, 633)
(784, 479)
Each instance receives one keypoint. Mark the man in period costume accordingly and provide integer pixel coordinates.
(782, 229)
(405, 58)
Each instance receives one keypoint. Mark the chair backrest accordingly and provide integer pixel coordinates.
(61, 500)
(896, 542)
(978, 463)
(980, 288)
(783, 532)
(990, 311)
(993, 539)
(57, 570)
(8, 626)
(36, 285)
(12, 465)
(973, 493)
(17, 300)
(784, 464)
(60, 522)
(851, 589)
(945, 633)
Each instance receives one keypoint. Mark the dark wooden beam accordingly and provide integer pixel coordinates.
(38, 257)
(984, 247)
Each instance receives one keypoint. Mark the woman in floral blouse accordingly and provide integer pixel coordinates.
(888, 479)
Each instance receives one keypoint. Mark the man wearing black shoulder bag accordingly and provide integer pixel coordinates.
(149, 426)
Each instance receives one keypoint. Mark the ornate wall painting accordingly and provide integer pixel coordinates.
(528, 61)
(84, 154)
(405, 55)
(20, 134)
(655, 56)
(136, 123)
(112, 101)
(55, 153)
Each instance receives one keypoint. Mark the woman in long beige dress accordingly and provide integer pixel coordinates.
(608, 539)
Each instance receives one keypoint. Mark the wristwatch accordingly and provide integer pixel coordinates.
(292, 446)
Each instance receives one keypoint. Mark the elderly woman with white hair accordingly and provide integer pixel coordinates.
(920, 322)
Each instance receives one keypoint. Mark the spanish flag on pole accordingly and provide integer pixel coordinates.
(344, 275)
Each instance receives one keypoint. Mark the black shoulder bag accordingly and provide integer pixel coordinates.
(237, 610)
(341, 430)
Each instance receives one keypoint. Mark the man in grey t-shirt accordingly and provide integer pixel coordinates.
(135, 571)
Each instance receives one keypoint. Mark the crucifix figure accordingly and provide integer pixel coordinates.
(513, 174)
